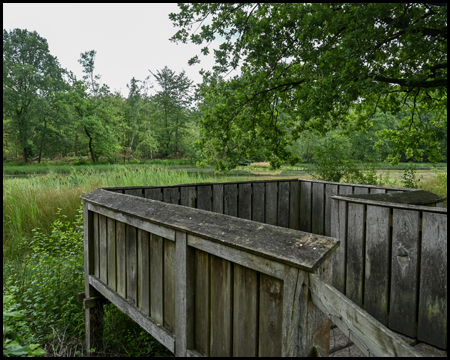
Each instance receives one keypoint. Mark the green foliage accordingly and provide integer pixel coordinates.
(306, 66)
(409, 178)
(17, 336)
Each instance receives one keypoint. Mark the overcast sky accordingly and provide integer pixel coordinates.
(129, 38)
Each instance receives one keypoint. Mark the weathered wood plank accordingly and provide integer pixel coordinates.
(355, 253)
(230, 199)
(345, 189)
(378, 338)
(245, 312)
(202, 328)
(330, 189)
(249, 260)
(188, 196)
(221, 307)
(258, 202)
(339, 231)
(156, 277)
(318, 209)
(143, 300)
(204, 197)
(154, 194)
(121, 259)
(377, 266)
(305, 206)
(96, 246)
(169, 285)
(283, 203)
(128, 308)
(294, 205)
(111, 228)
(184, 301)
(270, 316)
(377, 191)
(361, 190)
(103, 248)
(171, 195)
(245, 201)
(131, 254)
(433, 301)
(218, 199)
(134, 192)
(405, 267)
(271, 203)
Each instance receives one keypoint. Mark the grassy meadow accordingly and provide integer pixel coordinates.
(43, 248)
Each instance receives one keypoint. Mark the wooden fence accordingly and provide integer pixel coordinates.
(208, 284)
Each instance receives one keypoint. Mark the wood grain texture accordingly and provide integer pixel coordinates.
(245, 312)
(188, 196)
(111, 236)
(132, 264)
(103, 248)
(121, 259)
(294, 205)
(218, 199)
(271, 203)
(202, 328)
(156, 277)
(96, 246)
(305, 206)
(221, 307)
(283, 204)
(171, 195)
(258, 202)
(330, 189)
(169, 285)
(318, 209)
(405, 267)
(143, 300)
(377, 266)
(355, 253)
(270, 316)
(339, 231)
(230, 198)
(134, 192)
(154, 194)
(433, 281)
(204, 197)
(245, 201)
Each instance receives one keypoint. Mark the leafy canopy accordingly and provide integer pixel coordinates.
(305, 66)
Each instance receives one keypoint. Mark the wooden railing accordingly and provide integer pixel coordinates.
(203, 283)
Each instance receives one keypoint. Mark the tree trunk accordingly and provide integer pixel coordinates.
(90, 145)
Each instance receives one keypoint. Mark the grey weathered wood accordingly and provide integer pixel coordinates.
(377, 191)
(134, 192)
(132, 263)
(156, 277)
(305, 206)
(419, 197)
(144, 271)
(355, 253)
(221, 307)
(432, 318)
(258, 202)
(377, 265)
(283, 204)
(270, 316)
(245, 201)
(361, 190)
(163, 231)
(345, 189)
(184, 301)
(339, 231)
(128, 308)
(202, 328)
(294, 205)
(271, 203)
(171, 195)
(96, 246)
(121, 259)
(188, 196)
(405, 267)
(379, 339)
(245, 312)
(111, 236)
(103, 248)
(236, 256)
(230, 195)
(154, 194)
(169, 285)
(204, 197)
(217, 198)
(318, 209)
(330, 189)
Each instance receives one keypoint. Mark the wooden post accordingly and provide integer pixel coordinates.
(93, 303)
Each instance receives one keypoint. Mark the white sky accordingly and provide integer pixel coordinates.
(129, 39)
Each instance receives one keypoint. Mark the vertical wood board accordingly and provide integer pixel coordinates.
(245, 201)
(204, 197)
(188, 196)
(330, 189)
(121, 259)
(144, 271)
(271, 203)
(318, 209)
(171, 195)
(218, 198)
(103, 248)
(283, 204)
(156, 277)
(131, 268)
(202, 328)
(294, 205)
(305, 206)
(153, 194)
(169, 285)
(111, 228)
(258, 202)
(230, 199)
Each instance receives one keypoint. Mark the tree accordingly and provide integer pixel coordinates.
(314, 63)
(30, 73)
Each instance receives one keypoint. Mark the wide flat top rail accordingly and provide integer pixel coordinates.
(296, 248)
(420, 197)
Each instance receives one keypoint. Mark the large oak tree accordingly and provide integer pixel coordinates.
(305, 66)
